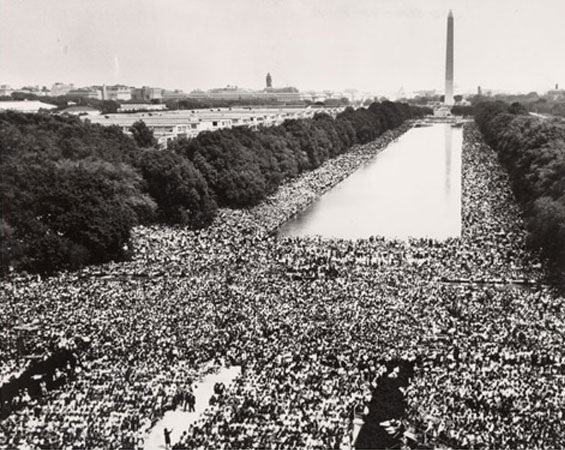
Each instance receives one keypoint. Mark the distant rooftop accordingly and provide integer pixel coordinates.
(25, 106)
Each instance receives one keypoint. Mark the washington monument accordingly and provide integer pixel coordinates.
(449, 62)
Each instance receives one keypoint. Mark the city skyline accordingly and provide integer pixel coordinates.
(378, 46)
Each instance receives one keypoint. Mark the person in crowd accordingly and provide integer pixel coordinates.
(313, 323)
(167, 434)
(191, 401)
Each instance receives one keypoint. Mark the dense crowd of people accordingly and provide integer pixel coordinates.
(314, 323)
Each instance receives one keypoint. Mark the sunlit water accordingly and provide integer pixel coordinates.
(411, 189)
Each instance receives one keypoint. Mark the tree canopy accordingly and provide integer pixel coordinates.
(71, 191)
(533, 152)
(142, 135)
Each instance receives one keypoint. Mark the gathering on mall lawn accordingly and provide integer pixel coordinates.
(315, 324)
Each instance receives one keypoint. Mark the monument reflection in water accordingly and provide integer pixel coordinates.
(411, 189)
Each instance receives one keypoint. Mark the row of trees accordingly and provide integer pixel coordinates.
(533, 152)
(551, 103)
(462, 110)
(241, 166)
(71, 191)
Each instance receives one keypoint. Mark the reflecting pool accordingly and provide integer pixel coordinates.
(411, 189)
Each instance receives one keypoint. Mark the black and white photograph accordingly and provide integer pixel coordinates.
(282, 224)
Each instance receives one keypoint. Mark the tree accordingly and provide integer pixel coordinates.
(547, 228)
(142, 134)
(71, 191)
(459, 110)
(517, 108)
(181, 193)
(57, 137)
(109, 106)
(533, 152)
(69, 195)
(63, 216)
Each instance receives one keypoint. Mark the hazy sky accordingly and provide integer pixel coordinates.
(375, 45)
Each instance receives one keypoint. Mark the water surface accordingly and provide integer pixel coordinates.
(411, 189)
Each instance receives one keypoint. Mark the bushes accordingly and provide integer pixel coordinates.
(533, 152)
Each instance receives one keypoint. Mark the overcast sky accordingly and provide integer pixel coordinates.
(375, 45)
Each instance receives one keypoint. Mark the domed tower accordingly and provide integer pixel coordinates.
(269, 81)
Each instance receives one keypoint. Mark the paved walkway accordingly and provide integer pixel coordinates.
(180, 420)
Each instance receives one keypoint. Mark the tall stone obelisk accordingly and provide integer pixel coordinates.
(449, 62)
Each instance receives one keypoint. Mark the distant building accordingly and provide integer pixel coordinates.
(314, 96)
(147, 94)
(5, 90)
(198, 94)
(61, 89)
(117, 92)
(174, 95)
(231, 93)
(286, 97)
(269, 95)
(164, 127)
(556, 94)
(130, 107)
(169, 125)
(33, 90)
(26, 106)
(350, 94)
(86, 92)
(443, 111)
(269, 81)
